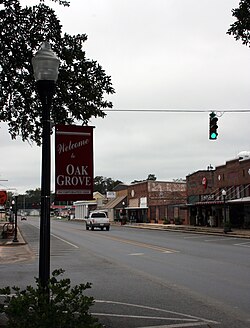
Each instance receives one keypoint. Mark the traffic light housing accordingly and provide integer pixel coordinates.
(213, 119)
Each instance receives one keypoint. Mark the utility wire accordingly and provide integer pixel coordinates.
(179, 110)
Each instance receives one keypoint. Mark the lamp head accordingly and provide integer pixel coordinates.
(45, 63)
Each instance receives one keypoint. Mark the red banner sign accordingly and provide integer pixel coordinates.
(74, 162)
(3, 197)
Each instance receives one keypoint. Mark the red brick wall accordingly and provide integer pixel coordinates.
(234, 173)
(195, 185)
(159, 196)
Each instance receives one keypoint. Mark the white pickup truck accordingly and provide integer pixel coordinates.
(97, 220)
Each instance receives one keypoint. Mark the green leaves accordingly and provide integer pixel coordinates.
(81, 85)
(68, 307)
(241, 28)
(61, 2)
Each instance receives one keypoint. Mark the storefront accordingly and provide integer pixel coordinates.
(156, 201)
(220, 195)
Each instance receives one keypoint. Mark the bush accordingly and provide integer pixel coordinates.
(166, 221)
(66, 306)
(178, 221)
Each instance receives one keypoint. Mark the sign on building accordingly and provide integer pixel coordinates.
(143, 202)
(3, 197)
(73, 162)
(111, 194)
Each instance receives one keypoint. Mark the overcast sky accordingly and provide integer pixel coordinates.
(160, 54)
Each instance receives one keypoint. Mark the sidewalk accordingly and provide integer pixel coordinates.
(239, 233)
(14, 252)
(9, 241)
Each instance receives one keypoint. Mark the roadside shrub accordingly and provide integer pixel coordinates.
(166, 221)
(66, 307)
(178, 221)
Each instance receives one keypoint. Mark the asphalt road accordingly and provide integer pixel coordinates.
(144, 278)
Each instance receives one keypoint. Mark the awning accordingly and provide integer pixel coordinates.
(239, 200)
(218, 202)
(136, 208)
(114, 202)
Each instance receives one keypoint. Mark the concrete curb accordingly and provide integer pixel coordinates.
(192, 229)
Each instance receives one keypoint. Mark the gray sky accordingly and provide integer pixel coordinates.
(160, 54)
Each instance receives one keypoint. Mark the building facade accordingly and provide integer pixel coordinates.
(220, 195)
(156, 201)
(83, 207)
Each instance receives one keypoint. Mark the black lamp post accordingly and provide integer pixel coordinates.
(15, 240)
(226, 223)
(45, 66)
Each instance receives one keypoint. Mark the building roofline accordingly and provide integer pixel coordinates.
(157, 181)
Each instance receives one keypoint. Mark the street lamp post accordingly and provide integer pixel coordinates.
(123, 220)
(226, 224)
(45, 66)
(15, 240)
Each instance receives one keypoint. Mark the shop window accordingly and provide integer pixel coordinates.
(237, 192)
(152, 212)
(161, 212)
(242, 191)
(247, 191)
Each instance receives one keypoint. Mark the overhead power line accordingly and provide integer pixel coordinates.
(179, 110)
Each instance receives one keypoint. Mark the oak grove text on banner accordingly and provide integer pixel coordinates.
(74, 162)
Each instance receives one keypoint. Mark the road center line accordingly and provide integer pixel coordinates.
(141, 244)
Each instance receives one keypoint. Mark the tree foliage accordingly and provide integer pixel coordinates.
(241, 27)
(151, 177)
(103, 184)
(82, 83)
(61, 2)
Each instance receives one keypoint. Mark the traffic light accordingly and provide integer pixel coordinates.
(213, 119)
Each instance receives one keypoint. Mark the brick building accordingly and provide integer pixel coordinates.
(206, 202)
(155, 200)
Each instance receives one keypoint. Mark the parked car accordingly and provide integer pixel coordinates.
(97, 220)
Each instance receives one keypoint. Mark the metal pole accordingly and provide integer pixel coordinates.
(225, 210)
(46, 91)
(15, 233)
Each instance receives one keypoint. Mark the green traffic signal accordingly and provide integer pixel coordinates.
(213, 135)
(213, 126)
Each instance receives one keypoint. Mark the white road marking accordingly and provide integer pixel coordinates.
(186, 317)
(246, 244)
(179, 325)
(194, 236)
(220, 239)
(143, 317)
(136, 254)
(65, 241)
